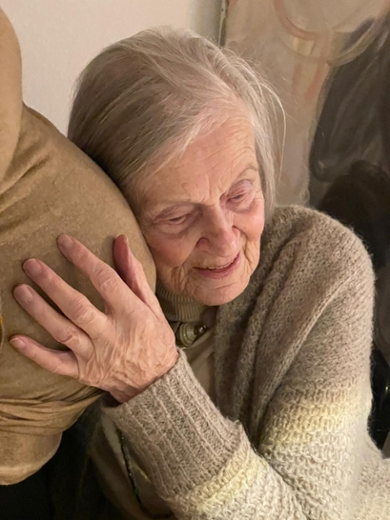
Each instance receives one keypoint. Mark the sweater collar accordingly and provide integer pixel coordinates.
(179, 308)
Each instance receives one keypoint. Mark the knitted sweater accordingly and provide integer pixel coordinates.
(287, 438)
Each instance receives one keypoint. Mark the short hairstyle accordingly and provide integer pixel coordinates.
(143, 100)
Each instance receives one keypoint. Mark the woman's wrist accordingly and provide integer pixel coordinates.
(124, 392)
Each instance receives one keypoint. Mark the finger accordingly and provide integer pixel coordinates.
(105, 279)
(62, 363)
(73, 304)
(132, 272)
(62, 330)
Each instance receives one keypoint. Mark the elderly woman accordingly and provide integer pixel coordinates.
(243, 389)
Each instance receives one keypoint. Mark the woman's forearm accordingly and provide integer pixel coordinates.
(310, 450)
(201, 463)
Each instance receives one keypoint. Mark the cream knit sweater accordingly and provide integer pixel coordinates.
(288, 437)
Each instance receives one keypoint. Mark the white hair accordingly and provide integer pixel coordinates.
(144, 99)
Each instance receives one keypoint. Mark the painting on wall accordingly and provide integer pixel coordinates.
(329, 62)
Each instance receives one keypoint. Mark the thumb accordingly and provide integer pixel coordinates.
(122, 260)
(131, 272)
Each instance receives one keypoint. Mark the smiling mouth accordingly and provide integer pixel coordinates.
(220, 267)
(220, 271)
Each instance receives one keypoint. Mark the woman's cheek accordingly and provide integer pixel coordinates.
(251, 224)
(168, 251)
(255, 222)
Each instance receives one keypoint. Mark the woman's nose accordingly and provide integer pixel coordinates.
(220, 237)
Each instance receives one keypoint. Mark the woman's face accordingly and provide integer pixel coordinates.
(202, 215)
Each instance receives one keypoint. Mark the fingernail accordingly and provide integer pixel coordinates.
(17, 343)
(24, 294)
(32, 267)
(65, 242)
(125, 239)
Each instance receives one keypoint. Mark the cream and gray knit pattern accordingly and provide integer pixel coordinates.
(287, 438)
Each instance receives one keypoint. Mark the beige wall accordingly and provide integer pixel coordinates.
(58, 38)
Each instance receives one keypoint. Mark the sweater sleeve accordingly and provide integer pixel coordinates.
(307, 464)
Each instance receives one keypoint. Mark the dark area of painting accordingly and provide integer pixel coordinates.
(349, 166)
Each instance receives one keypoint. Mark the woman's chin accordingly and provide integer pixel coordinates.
(218, 296)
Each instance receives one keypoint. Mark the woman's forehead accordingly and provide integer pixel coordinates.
(203, 190)
(224, 151)
(211, 162)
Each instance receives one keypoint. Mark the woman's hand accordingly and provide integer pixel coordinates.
(121, 350)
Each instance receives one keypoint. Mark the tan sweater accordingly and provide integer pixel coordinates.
(287, 438)
(47, 187)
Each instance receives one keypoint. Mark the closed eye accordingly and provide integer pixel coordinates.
(177, 220)
(241, 198)
(237, 198)
(241, 193)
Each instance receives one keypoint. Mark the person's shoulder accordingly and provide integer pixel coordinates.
(304, 235)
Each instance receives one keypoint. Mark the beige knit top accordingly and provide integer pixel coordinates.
(106, 451)
(287, 438)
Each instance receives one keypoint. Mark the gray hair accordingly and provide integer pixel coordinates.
(144, 99)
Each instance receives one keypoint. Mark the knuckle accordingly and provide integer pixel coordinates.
(51, 279)
(107, 281)
(82, 312)
(68, 336)
(58, 369)
(82, 255)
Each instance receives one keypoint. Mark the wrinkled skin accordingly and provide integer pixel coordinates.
(122, 350)
(202, 216)
(202, 210)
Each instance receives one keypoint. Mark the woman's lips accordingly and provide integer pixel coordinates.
(217, 273)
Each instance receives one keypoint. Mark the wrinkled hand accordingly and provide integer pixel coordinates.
(121, 350)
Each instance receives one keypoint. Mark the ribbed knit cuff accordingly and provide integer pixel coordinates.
(180, 437)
